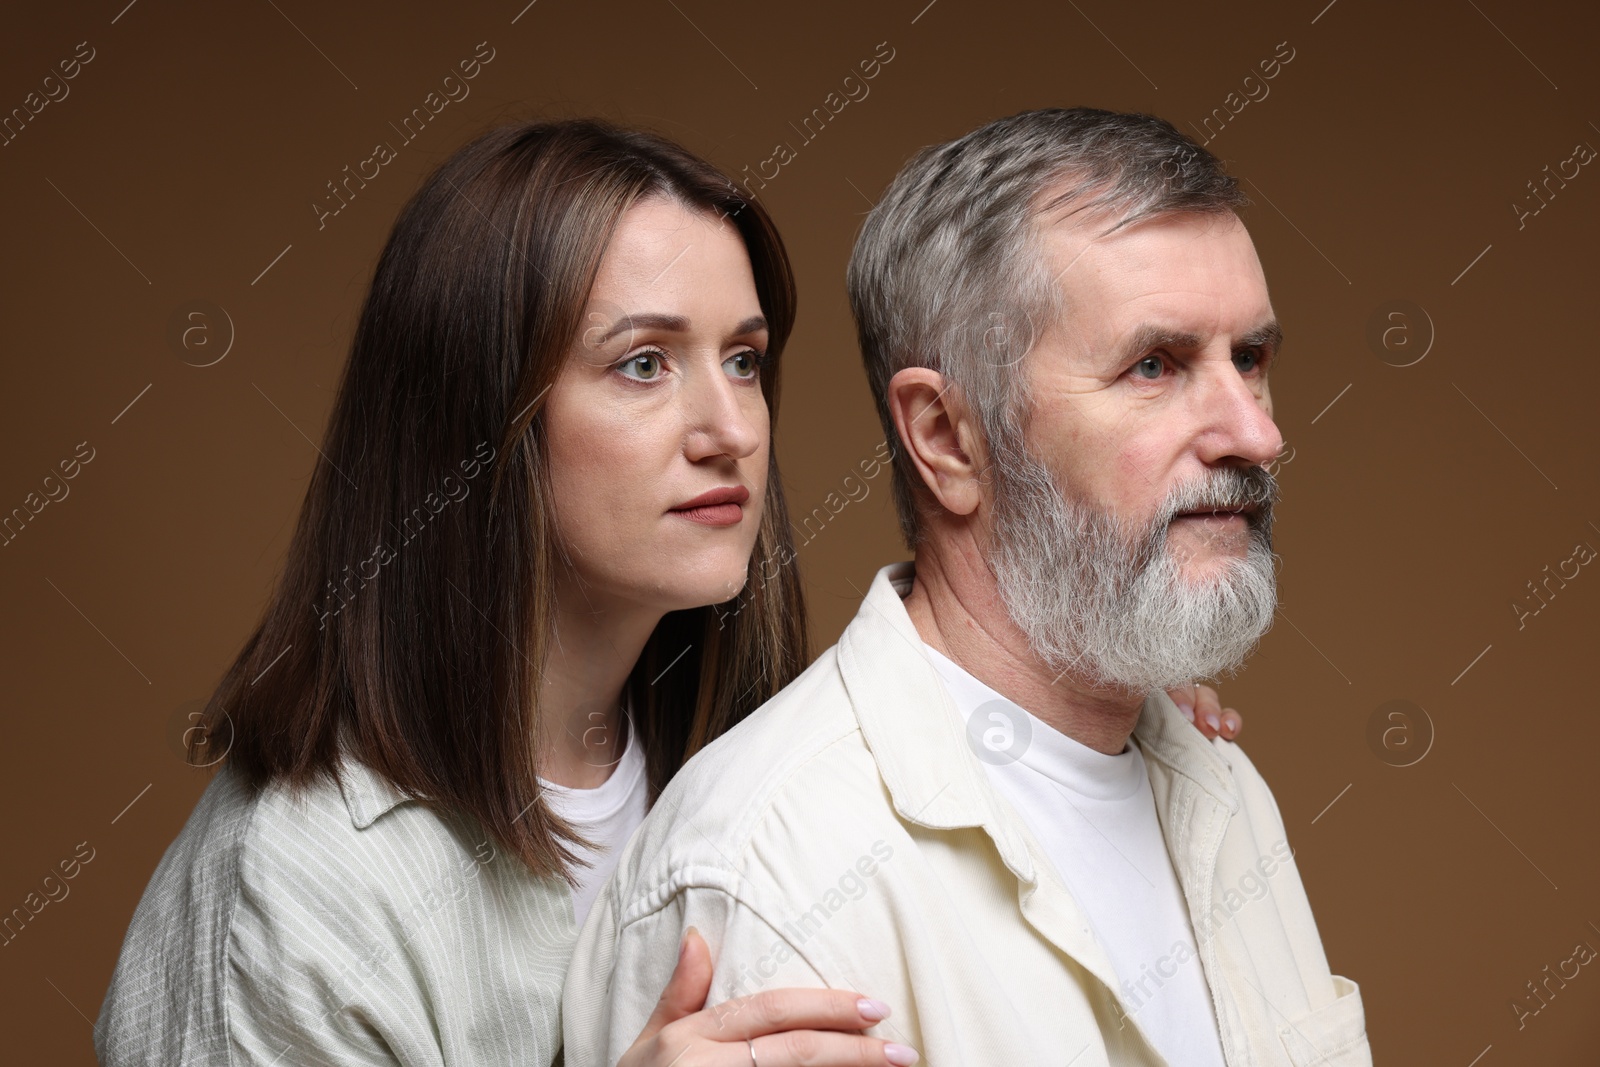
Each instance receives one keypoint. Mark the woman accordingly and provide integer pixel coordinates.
(494, 640)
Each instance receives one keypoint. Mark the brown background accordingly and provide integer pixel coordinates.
(1416, 508)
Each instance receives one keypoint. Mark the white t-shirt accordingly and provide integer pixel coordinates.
(607, 815)
(1095, 816)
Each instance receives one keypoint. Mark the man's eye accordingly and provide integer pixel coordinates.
(1149, 367)
(644, 367)
(1251, 358)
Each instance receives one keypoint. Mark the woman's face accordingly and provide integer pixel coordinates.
(657, 427)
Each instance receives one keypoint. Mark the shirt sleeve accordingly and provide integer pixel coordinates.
(400, 944)
(606, 1011)
(319, 974)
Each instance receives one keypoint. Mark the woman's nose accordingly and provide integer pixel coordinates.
(720, 419)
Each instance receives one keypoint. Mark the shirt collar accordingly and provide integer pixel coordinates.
(367, 794)
(1031, 743)
(1169, 740)
(912, 727)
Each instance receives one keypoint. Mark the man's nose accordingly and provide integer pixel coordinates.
(1237, 420)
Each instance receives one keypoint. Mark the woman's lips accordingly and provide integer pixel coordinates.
(712, 514)
(723, 506)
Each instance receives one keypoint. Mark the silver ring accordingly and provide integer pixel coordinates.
(751, 1045)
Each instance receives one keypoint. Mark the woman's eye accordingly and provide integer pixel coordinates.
(1149, 367)
(646, 366)
(746, 364)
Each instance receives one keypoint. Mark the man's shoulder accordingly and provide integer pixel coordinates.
(1217, 765)
(798, 760)
(808, 728)
(1255, 795)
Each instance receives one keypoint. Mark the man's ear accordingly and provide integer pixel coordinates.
(940, 436)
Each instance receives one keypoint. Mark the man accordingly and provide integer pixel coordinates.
(980, 807)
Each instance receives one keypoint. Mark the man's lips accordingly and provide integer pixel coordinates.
(1219, 515)
(723, 506)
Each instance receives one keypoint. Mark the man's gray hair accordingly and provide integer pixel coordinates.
(948, 272)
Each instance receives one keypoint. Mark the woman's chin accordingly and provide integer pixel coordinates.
(699, 591)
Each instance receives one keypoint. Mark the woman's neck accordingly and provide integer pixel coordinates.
(591, 654)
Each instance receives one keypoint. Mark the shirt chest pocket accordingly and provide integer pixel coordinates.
(1335, 1035)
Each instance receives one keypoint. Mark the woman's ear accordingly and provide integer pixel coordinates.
(940, 436)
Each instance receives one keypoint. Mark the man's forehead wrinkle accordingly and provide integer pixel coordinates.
(1069, 229)
(1081, 253)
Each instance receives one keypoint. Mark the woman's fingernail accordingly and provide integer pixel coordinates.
(900, 1055)
(876, 1010)
(683, 946)
(1212, 720)
(1188, 711)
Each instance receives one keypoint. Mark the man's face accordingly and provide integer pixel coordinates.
(1157, 372)
(1132, 521)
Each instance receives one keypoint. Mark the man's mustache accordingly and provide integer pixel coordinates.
(1252, 490)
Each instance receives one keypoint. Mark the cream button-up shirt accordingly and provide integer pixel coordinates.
(845, 835)
(347, 926)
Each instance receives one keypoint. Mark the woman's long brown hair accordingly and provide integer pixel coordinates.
(416, 606)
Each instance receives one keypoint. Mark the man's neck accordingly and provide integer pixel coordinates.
(956, 608)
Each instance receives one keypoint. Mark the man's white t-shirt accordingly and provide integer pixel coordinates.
(607, 815)
(1095, 816)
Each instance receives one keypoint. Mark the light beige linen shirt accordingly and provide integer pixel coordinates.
(350, 925)
(845, 835)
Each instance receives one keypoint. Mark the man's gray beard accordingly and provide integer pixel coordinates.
(1114, 609)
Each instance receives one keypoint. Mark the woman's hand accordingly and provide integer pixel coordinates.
(1201, 706)
(777, 1028)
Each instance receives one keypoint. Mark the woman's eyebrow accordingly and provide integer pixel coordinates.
(673, 324)
(649, 320)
